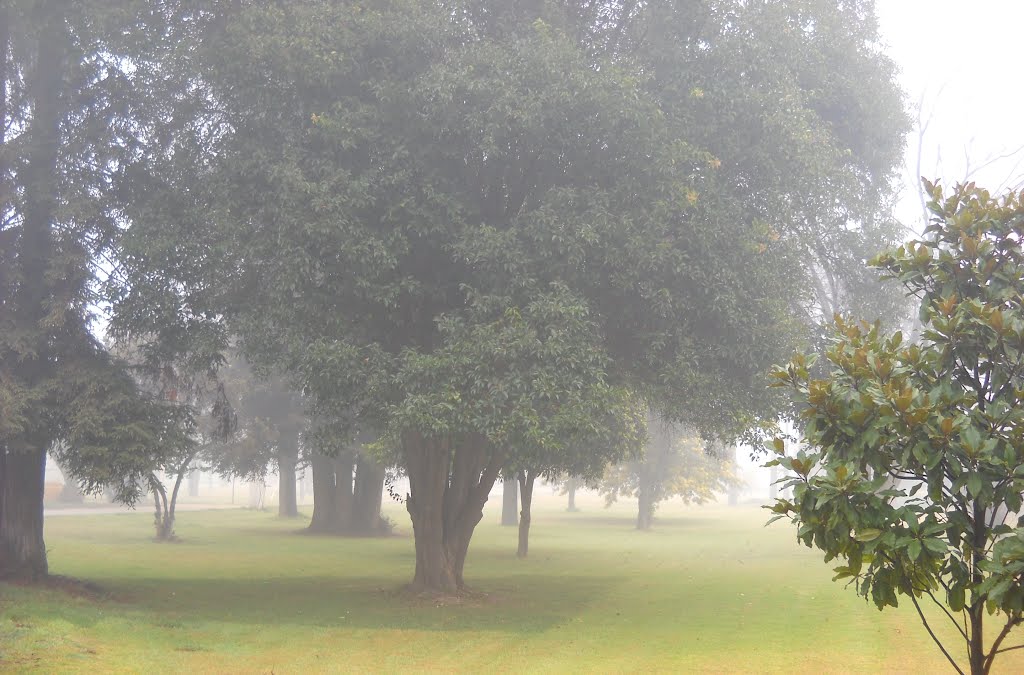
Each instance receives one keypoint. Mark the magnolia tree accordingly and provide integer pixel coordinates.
(915, 452)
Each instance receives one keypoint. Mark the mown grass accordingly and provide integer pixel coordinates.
(709, 590)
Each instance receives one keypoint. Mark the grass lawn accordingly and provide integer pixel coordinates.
(709, 590)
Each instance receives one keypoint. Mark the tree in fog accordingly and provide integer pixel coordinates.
(271, 421)
(208, 418)
(72, 118)
(348, 485)
(675, 463)
(913, 451)
(440, 219)
(614, 435)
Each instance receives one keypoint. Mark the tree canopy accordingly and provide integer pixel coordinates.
(915, 450)
(466, 223)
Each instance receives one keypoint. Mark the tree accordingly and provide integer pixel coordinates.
(674, 464)
(616, 433)
(73, 115)
(206, 418)
(348, 490)
(509, 499)
(271, 420)
(441, 218)
(943, 417)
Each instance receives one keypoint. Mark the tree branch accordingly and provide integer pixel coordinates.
(935, 639)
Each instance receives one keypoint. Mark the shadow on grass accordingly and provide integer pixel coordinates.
(516, 604)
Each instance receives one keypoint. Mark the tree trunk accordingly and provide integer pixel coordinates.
(570, 488)
(645, 510)
(526, 481)
(193, 483)
(448, 489)
(509, 502)
(324, 510)
(22, 551)
(287, 504)
(367, 496)
(343, 493)
(287, 458)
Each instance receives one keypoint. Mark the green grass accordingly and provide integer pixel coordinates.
(709, 590)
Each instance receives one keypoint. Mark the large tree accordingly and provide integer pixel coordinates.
(71, 119)
(442, 218)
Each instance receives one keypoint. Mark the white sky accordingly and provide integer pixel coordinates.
(961, 61)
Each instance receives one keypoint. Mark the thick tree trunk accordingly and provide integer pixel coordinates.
(193, 483)
(22, 551)
(367, 496)
(509, 503)
(526, 481)
(448, 489)
(287, 458)
(324, 510)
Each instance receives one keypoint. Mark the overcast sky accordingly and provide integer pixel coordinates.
(961, 62)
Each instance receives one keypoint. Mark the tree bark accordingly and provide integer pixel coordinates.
(22, 551)
(526, 481)
(367, 496)
(193, 483)
(509, 503)
(449, 483)
(287, 458)
(324, 509)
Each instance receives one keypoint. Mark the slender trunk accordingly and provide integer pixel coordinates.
(526, 481)
(570, 488)
(323, 493)
(509, 503)
(22, 551)
(162, 517)
(174, 498)
(287, 458)
(645, 508)
(976, 612)
(448, 490)
(367, 496)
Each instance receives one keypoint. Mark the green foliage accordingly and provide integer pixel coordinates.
(915, 449)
